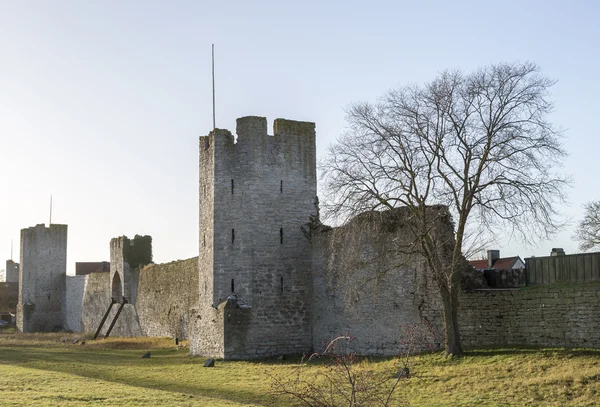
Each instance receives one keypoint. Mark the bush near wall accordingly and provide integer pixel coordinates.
(9, 296)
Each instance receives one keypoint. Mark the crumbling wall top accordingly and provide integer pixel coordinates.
(137, 251)
(284, 127)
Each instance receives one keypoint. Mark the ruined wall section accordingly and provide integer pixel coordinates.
(42, 278)
(12, 272)
(264, 190)
(366, 287)
(165, 295)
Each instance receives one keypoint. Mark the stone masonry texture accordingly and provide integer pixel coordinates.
(161, 297)
(42, 278)
(255, 262)
(365, 288)
(73, 303)
(166, 294)
(536, 316)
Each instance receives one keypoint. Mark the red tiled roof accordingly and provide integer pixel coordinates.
(500, 264)
(479, 264)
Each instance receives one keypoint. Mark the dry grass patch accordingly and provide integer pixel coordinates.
(48, 370)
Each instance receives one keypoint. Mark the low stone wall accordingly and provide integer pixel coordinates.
(536, 316)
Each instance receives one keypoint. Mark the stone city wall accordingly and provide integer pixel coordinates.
(73, 303)
(96, 300)
(165, 295)
(365, 288)
(161, 296)
(536, 316)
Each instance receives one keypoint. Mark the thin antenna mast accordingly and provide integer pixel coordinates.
(50, 211)
(213, 84)
(11, 249)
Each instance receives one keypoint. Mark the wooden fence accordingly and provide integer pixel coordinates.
(572, 268)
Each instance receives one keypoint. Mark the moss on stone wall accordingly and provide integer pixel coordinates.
(138, 251)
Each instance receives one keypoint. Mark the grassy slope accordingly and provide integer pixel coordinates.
(39, 371)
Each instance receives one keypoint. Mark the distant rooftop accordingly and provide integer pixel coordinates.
(82, 268)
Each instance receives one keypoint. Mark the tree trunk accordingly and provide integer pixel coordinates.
(451, 331)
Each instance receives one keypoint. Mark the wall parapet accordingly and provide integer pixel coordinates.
(285, 127)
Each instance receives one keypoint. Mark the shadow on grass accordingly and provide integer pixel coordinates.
(166, 370)
(544, 351)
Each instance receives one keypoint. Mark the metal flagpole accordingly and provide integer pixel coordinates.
(213, 84)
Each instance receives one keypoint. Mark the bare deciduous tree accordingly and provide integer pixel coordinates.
(479, 143)
(588, 229)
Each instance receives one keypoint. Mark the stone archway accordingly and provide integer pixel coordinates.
(117, 287)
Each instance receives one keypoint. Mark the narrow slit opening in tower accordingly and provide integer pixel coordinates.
(281, 285)
(232, 186)
(281, 187)
(232, 285)
(281, 235)
(232, 235)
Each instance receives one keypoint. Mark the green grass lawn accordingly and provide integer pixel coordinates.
(48, 370)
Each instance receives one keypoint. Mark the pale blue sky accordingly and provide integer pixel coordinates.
(102, 102)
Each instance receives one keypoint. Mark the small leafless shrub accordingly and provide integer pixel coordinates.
(342, 378)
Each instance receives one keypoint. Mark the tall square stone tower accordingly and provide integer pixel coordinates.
(255, 261)
(42, 278)
(12, 272)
